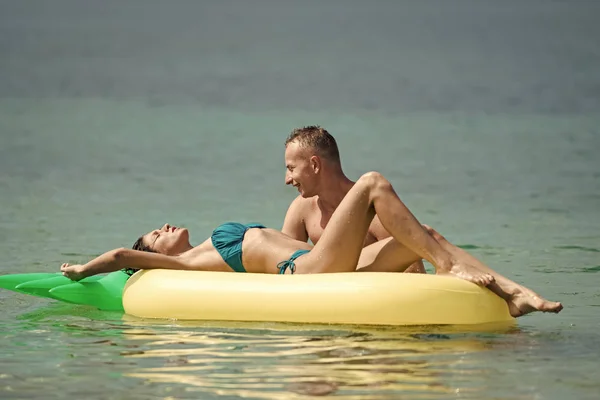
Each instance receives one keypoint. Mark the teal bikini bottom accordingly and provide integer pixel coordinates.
(227, 239)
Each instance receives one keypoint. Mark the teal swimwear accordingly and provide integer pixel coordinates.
(227, 239)
(290, 263)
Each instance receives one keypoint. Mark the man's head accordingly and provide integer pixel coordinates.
(168, 240)
(307, 151)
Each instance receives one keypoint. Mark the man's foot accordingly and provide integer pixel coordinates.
(521, 304)
(468, 273)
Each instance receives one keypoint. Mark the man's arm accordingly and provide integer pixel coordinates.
(293, 224)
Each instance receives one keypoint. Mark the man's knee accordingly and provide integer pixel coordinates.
(374, 180)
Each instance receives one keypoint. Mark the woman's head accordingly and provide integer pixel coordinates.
(141, 246)
(168, 240)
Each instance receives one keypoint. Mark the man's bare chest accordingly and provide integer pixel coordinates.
(316, 222)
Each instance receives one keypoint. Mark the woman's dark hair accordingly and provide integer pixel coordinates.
(140, 246)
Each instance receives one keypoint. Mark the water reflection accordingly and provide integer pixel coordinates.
(262, 360)
(172, 359)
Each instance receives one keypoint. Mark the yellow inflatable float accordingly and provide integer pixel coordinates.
(369, 298)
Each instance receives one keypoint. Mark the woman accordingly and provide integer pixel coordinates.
(256, 249)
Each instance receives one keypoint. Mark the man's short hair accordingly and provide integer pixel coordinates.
(317, 138)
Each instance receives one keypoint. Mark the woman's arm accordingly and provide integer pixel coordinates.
(117, 259)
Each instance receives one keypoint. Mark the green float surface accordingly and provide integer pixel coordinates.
(42, 287)
(104, 292)
(11, 281)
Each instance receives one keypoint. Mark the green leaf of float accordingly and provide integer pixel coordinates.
(42, 287)
(105, 293)
(11, 281)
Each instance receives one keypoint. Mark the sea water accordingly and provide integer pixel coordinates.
(118, 117)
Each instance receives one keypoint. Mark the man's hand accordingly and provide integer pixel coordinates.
(74, 272)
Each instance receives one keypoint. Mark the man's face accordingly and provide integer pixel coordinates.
(300, 171)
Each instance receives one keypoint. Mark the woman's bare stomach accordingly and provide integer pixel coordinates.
(263, 249)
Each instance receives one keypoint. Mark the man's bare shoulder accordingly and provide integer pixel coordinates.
(303, 205)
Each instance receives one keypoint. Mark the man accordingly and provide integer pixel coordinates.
(313, 166)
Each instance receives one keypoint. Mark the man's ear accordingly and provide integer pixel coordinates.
(315, 164)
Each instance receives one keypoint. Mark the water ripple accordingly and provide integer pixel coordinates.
(297, 362)
(582, 248)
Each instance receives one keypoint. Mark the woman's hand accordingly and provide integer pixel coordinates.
(74, 272)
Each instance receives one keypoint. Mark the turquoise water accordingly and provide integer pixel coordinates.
(116, 119)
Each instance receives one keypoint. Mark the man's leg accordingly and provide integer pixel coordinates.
(416, 268)
(390, 256)
(520, 299)
(339, 247)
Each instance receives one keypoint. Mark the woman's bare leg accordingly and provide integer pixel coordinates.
(339, 247)
(520, 299)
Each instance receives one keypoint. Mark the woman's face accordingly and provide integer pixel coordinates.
(168, 240)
